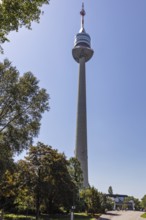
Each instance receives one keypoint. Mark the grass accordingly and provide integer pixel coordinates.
(84, 216)
(78, 216)
(18, 217)
(143, 215)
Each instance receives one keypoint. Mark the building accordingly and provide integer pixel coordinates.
(120, 203)
(82, 52)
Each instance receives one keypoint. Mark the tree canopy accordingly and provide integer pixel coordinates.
(137, 203)
(91, 198)
(76, 172)
(6, 161)
(17, 13)
(143, 200)
(46, 182)
(22, 103)
(44, 175)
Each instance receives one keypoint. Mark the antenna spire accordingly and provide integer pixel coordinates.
(82, 13)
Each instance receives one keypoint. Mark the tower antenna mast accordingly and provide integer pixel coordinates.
(82, 13)
(82, 52)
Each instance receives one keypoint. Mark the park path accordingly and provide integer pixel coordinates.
(122, 215)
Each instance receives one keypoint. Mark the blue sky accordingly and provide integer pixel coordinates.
(116, 91)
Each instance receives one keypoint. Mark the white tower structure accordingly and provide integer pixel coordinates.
(82, 52)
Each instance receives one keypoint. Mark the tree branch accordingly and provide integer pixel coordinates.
(15, 118)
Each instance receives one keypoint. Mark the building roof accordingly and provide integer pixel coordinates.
(116, 195)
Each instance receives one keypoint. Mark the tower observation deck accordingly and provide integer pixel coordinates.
(82, 52)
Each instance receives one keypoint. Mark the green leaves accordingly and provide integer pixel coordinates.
(91, 197)
(144, 202)
(17, 13)
(44, 175)
(6, 161)
(22, 103)
(76, 172)
(137, 204)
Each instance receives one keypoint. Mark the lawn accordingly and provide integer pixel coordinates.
(78, 216)
(84, 216)
(18, 217)
(143, 215)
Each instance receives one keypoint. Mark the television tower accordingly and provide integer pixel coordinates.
(82, 52)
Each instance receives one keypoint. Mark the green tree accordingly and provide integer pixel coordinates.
(143, 201)
(13, 195)
(8, 190)
(22, 103)
(44, 175)
(137, 203)
(106, 203)
(91, 198)
(6, 160)
(110, 190)
(76, 172)
(17, 13)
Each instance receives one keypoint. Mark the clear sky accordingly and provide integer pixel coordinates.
(116, 85)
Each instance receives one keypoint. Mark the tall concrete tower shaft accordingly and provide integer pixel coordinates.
(82, 52)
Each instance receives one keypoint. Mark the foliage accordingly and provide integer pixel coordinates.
(6, 161)
(22, 103)
(39, 183)
(76, 172)
(17, 13)
(44, 180)
(143, 201)
(137, 203)
(106, 203)
(8, 190)
(93, 201)
(110, 190)
(91, 197)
